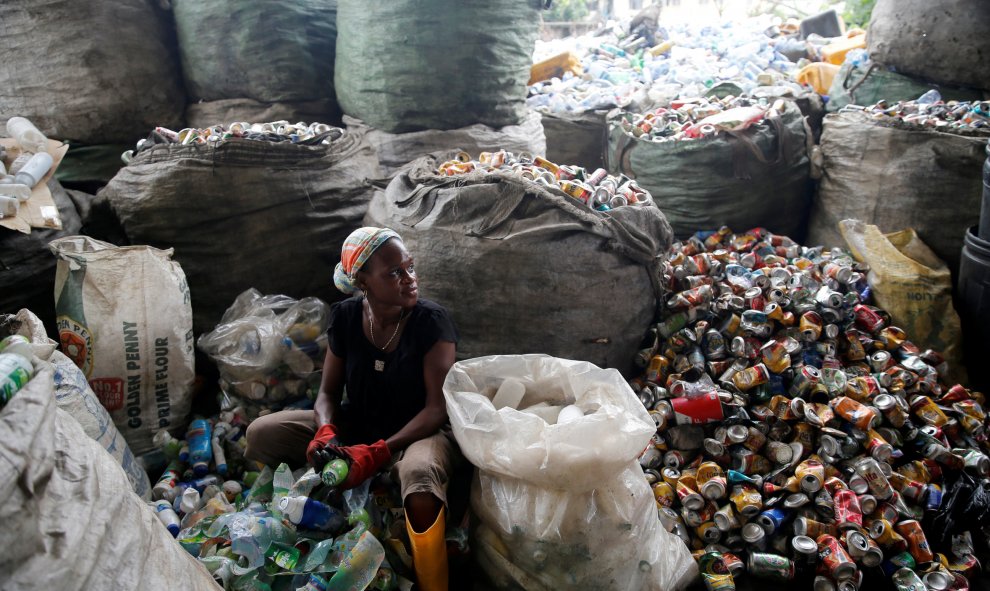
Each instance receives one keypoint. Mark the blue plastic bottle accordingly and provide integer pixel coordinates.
(200, 446)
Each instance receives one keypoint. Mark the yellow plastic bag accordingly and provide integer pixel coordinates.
(911, 283)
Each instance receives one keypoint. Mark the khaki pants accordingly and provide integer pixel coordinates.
(424, 466)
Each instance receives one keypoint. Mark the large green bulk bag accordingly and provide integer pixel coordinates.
(405, 65)
(264, 52)
(247, 213)
(947, 41)
(756, 177)
(99, 71)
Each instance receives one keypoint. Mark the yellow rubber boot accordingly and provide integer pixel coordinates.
(429, 550)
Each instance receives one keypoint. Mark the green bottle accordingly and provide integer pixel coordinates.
(335, 472)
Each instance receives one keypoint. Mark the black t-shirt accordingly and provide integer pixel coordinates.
(380, 403)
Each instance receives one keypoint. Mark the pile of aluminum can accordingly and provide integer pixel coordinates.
(598, 189)
(931, 111)
(797, 426)
(695, 118)
(310, 134)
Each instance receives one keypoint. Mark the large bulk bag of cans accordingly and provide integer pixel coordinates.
(94, 72)
(71, 521)
(579, 138)
(395, 150)
(524, 267)
(74, 395)
(757, 176)
(266, 213)
(134, 347)
(407, 65)
(946, 42)
(259, 61)
(28, 277)
(560, 499)
(897, 175)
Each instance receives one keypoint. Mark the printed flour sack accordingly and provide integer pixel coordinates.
(124, 317)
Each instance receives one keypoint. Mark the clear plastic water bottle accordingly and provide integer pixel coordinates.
(34, 170)
(929, 98)
(27, 135)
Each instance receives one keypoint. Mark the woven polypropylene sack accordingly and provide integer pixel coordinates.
(71, 521)
(760, 177)
(946, 41)
(408, 65)
(526, 269)
(247, 213)
(269, 51)
(124, 317)
(898, 177)
(100, 71)
(74, 396)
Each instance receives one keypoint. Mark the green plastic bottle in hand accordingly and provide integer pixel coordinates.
(335, 472)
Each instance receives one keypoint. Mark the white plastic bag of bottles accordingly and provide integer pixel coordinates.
(269, 348)
(74, 396)
(561, 499)
(125, 318)
(70, 520)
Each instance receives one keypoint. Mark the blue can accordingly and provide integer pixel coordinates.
(772, 520)
(933, 499)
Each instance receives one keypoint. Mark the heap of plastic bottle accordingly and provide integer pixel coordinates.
(929, 110)
(598, 190)
(800, 433)
(310, 134)
(252, 527)
(693, 119)
(685, 61)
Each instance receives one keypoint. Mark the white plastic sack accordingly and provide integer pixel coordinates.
(74, 396)
(70, 521)
(124, 317)
(562, 506)
(395, 150)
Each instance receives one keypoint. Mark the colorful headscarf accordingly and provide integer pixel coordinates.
(358, 248)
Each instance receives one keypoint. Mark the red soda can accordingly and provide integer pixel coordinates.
(867, 318)
(834, 558)
(847, 510)
(706, 408)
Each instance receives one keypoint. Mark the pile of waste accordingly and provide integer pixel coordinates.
(687, 60)
(693, 119)
(800, 433)
(275, 529)
(307, 134)
(929, 110)
(596, 189)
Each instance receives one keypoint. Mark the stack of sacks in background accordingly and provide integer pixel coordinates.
(458, 81)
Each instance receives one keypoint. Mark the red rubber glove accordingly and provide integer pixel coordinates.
(326, 436)
(366, 460)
